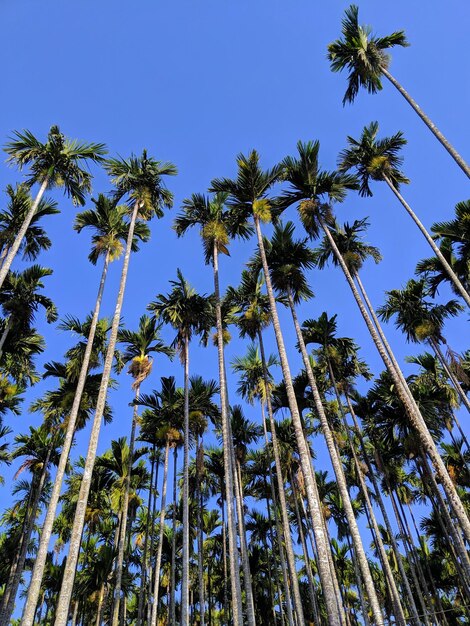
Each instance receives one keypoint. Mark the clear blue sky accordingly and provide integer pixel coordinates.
(198, 82)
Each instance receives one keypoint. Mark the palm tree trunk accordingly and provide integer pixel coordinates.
(228, 470)
(3, 256)
(16, 572)
(41, 555)
(437, 349)
(450, 272)
(6, 330)
(306, 463)
(432, 127)
(125, 511)
(100, 606)
(281, 491)
(339, 473)
(144, 566)
(200, 551)
(153, 621)
(22, 232)
(173, 545)
(411, 408)
(185, 575)
(72, 559)
(152, 543)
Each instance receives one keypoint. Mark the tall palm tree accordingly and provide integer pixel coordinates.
(364, 56)
(217, 228)
(110, 230)
(288, 259)
(56, 163)
(188, 313)
(11, 218)
(139, 346)
(248, 199)
(379, 159)
(303, 175)
(141, 180)
(20, 299)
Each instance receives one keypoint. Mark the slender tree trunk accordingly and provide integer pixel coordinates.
(281, 491)
(228, 470)
(71, 564)
(200, 548)
(144, 566)
(432, 127)
(450, 272)
(41, 556)
(173, 546)
(152, 543)
(339, 473)
(158, 560)
(411, 408)
(306, 463)
(185, 578)
(125, 512)
(6, 330)
(5, 251)
(437, 349)
(18, 566)
(100, 606)
(22, 232)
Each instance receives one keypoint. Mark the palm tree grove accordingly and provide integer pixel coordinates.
(234, 297)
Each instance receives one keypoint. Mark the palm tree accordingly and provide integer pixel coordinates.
(217, 227)
(56, 163)
(20, 299)
(188, 313)
(422, 320)
(107, 220)
(303, 175)
(141, 180)
(11, 218)
(248, 198)
(139, 345)
(364, 56)
(379, 159)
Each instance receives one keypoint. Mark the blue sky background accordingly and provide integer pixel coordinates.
(196, 83)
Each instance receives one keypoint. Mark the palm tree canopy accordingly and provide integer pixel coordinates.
(351, 246)
(362, 54)
(20, 299)
(457, 231)
(373, 158)
(185, 310)
(250, 305)
(416, 316)
(216, 222)
(140, 178)
(252, 384)
(247, 194)
(432, 270)
(107, 220)
(11, 219)
(58, 160)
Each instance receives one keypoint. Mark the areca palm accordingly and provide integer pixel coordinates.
(11, 218)
(379, 159)
(21, 298)
(248, 198)
(365, 56)
(300, 173)
(288, 259)
(110, 229)
(217, 228)
(56, 163)
(188, 313)
(139, 345)
(140, 179)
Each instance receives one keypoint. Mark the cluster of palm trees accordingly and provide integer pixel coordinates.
(248, 531)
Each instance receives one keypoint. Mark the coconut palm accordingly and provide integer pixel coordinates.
(288, 259)
(110, 230)
(141, 180)
(20, 299)
(139, 346)
(248, 199)
(11, 218)
(56, 163)
(188, 313)
(364, 56)
(379, 159)
(217, 228)
(302, 174)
